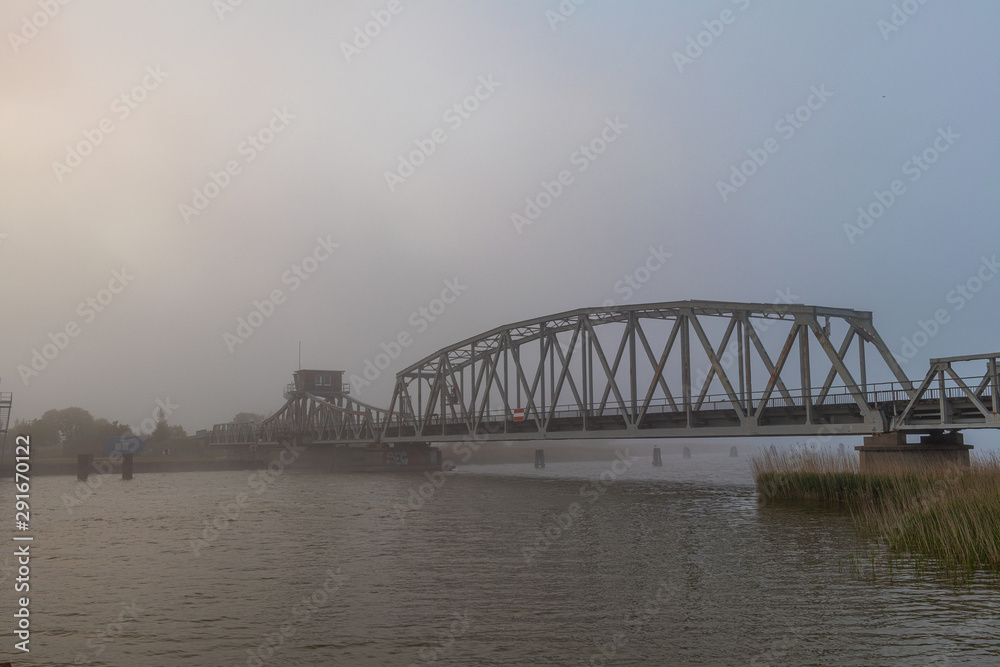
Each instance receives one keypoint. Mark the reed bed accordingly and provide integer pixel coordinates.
(949, 514)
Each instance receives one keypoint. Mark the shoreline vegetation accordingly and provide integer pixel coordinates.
(948, 514)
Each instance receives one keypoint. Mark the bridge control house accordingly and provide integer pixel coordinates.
(341, 433)
(319, 382)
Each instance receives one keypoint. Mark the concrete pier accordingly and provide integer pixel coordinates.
(891, 450)
(657, 458)
(539, 458)
(127, 465)
(83, 464)
(733, 452)
(687, 452)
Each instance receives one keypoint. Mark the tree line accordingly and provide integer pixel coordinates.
(76, 431)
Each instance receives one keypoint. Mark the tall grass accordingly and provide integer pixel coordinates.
(950, 514)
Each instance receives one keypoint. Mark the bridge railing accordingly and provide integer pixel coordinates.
(879, 395)
(876, 394)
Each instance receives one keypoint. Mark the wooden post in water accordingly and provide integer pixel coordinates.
(539, 458)
(687, 452)
(83, 464)
(657, 460)
(127, 465)
(733, 452)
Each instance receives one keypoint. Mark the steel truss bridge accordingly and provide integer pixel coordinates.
(661, 370)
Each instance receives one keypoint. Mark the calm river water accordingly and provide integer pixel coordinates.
(499, 565)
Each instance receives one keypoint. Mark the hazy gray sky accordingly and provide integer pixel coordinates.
(175, 161)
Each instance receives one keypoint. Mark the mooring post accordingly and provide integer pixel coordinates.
(539, 458)
(127, 465)
(733, 452)
(687, 453)
(657, 460)
(83, 464)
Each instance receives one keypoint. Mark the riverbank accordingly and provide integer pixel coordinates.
(68, 466)
(948, 514)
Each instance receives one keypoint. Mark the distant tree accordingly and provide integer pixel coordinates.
(244, 417)
(160, 433)
(70, 428)
(103, 429)
(43, 433)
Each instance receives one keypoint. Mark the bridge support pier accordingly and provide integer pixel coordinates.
(83, 465)
(539, 458)
(890, 450)
(127, 463)
(687, 452)
(657, 459)
(733, 452)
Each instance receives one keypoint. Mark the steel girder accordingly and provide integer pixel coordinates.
(628, 371)
(946, 401)
(307, 418)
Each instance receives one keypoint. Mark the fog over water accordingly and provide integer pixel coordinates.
(198, 197)
(228, 150)
(500, 565)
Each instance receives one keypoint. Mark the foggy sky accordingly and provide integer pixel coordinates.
(199, 82)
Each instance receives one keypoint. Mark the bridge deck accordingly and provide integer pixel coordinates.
(652, 371)
(716, 417)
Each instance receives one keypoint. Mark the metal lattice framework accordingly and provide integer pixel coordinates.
(306, 417)
(6, 401)
(944, 400)
(648, 371)
(675, 369)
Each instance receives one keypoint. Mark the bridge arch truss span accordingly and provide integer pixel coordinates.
(674, 369)
(945, 400)
(308, 419)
